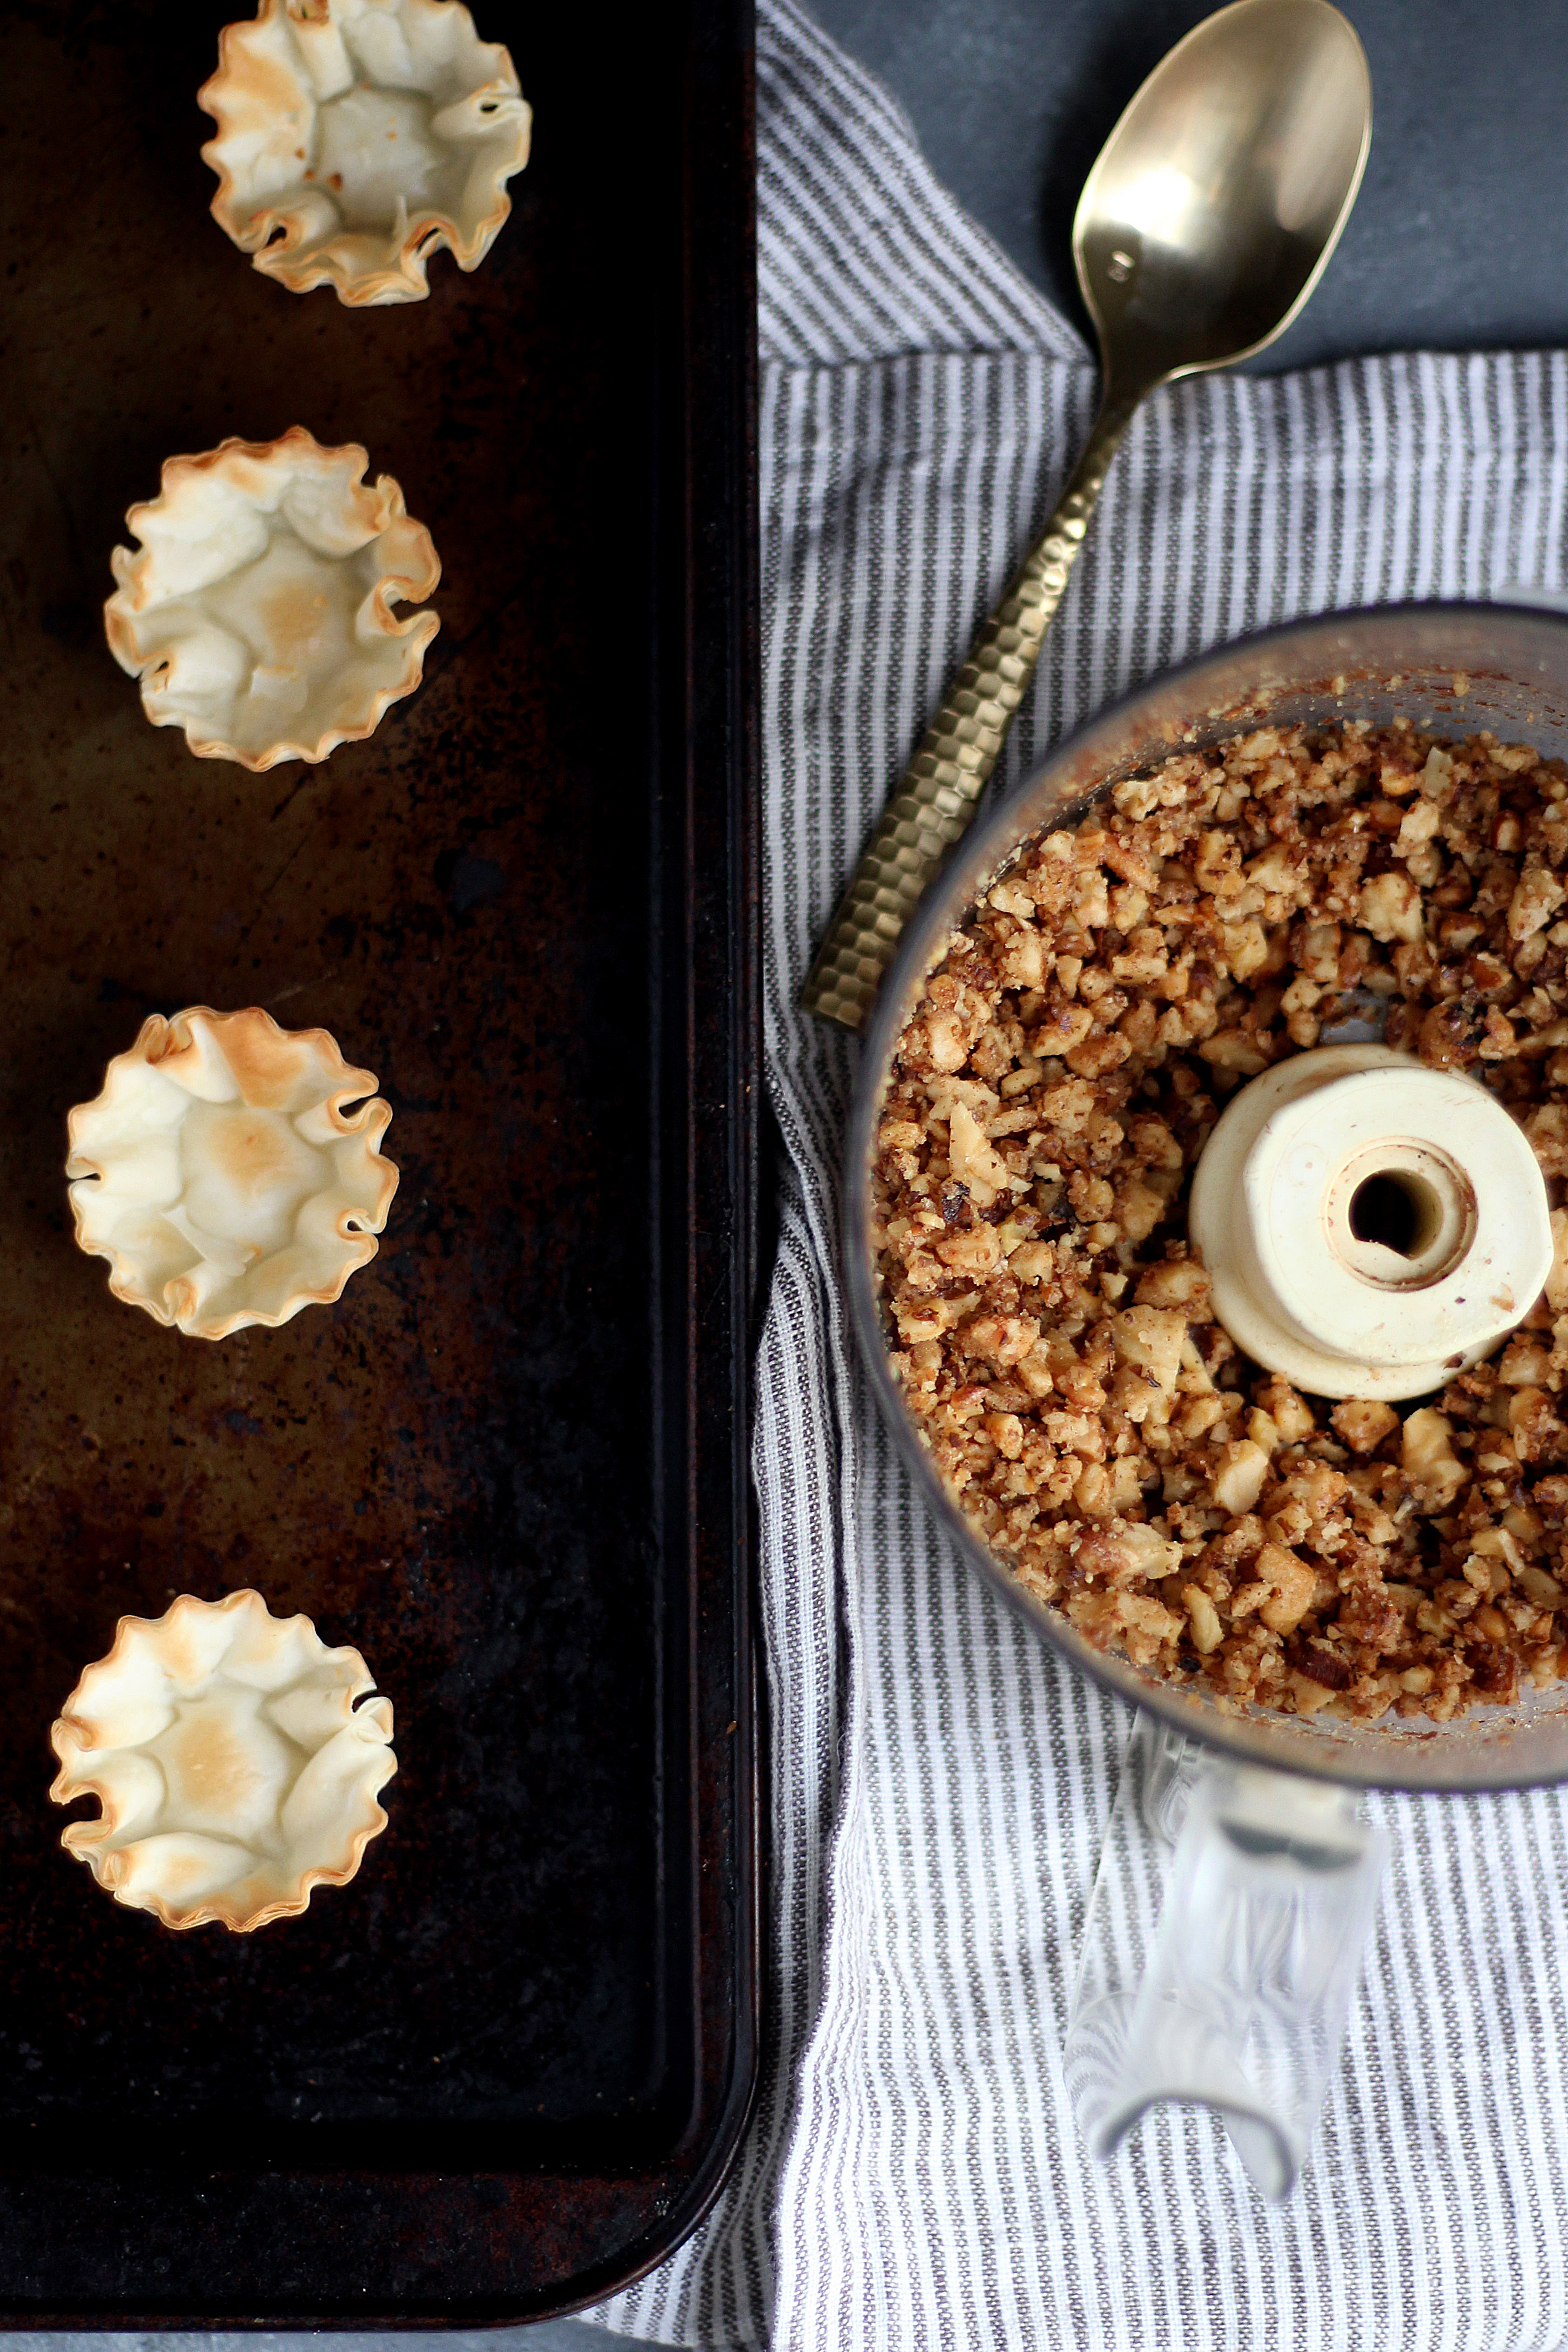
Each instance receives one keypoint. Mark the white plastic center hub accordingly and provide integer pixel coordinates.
(1370, 1227)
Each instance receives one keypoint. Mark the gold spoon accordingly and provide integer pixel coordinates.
(1205, 223)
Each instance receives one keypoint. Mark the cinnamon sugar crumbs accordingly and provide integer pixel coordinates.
(1051, 1333)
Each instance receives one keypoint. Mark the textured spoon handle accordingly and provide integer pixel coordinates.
(938, 791)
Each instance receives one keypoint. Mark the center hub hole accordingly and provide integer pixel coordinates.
(1396, 1208)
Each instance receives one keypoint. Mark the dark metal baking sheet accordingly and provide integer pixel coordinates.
(503, 2067)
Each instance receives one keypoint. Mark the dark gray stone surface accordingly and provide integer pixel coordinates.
(1456, 241)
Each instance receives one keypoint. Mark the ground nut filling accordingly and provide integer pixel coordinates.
(1052, 1335)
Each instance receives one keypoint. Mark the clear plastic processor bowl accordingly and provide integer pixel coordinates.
(1452, 669)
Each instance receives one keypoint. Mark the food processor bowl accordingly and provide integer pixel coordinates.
(1449, 669)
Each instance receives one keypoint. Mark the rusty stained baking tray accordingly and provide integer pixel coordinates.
(505, 2068)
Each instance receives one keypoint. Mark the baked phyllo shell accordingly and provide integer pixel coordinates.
(236, 1760)
(230, 1170)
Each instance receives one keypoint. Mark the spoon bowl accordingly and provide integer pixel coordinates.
(1214, 205)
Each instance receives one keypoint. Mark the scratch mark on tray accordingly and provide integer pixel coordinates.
(271, 886)
(296, 987)
(72, 540)
(310, 776)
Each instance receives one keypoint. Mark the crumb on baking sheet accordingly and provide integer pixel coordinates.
(1050, 1334)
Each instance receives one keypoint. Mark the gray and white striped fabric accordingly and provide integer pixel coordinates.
(939, 1784)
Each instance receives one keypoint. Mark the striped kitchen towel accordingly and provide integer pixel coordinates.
(938, 1782)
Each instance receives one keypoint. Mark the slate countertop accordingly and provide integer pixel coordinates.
(1457, 239)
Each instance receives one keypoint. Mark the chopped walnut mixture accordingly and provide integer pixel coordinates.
(1053, 1335)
